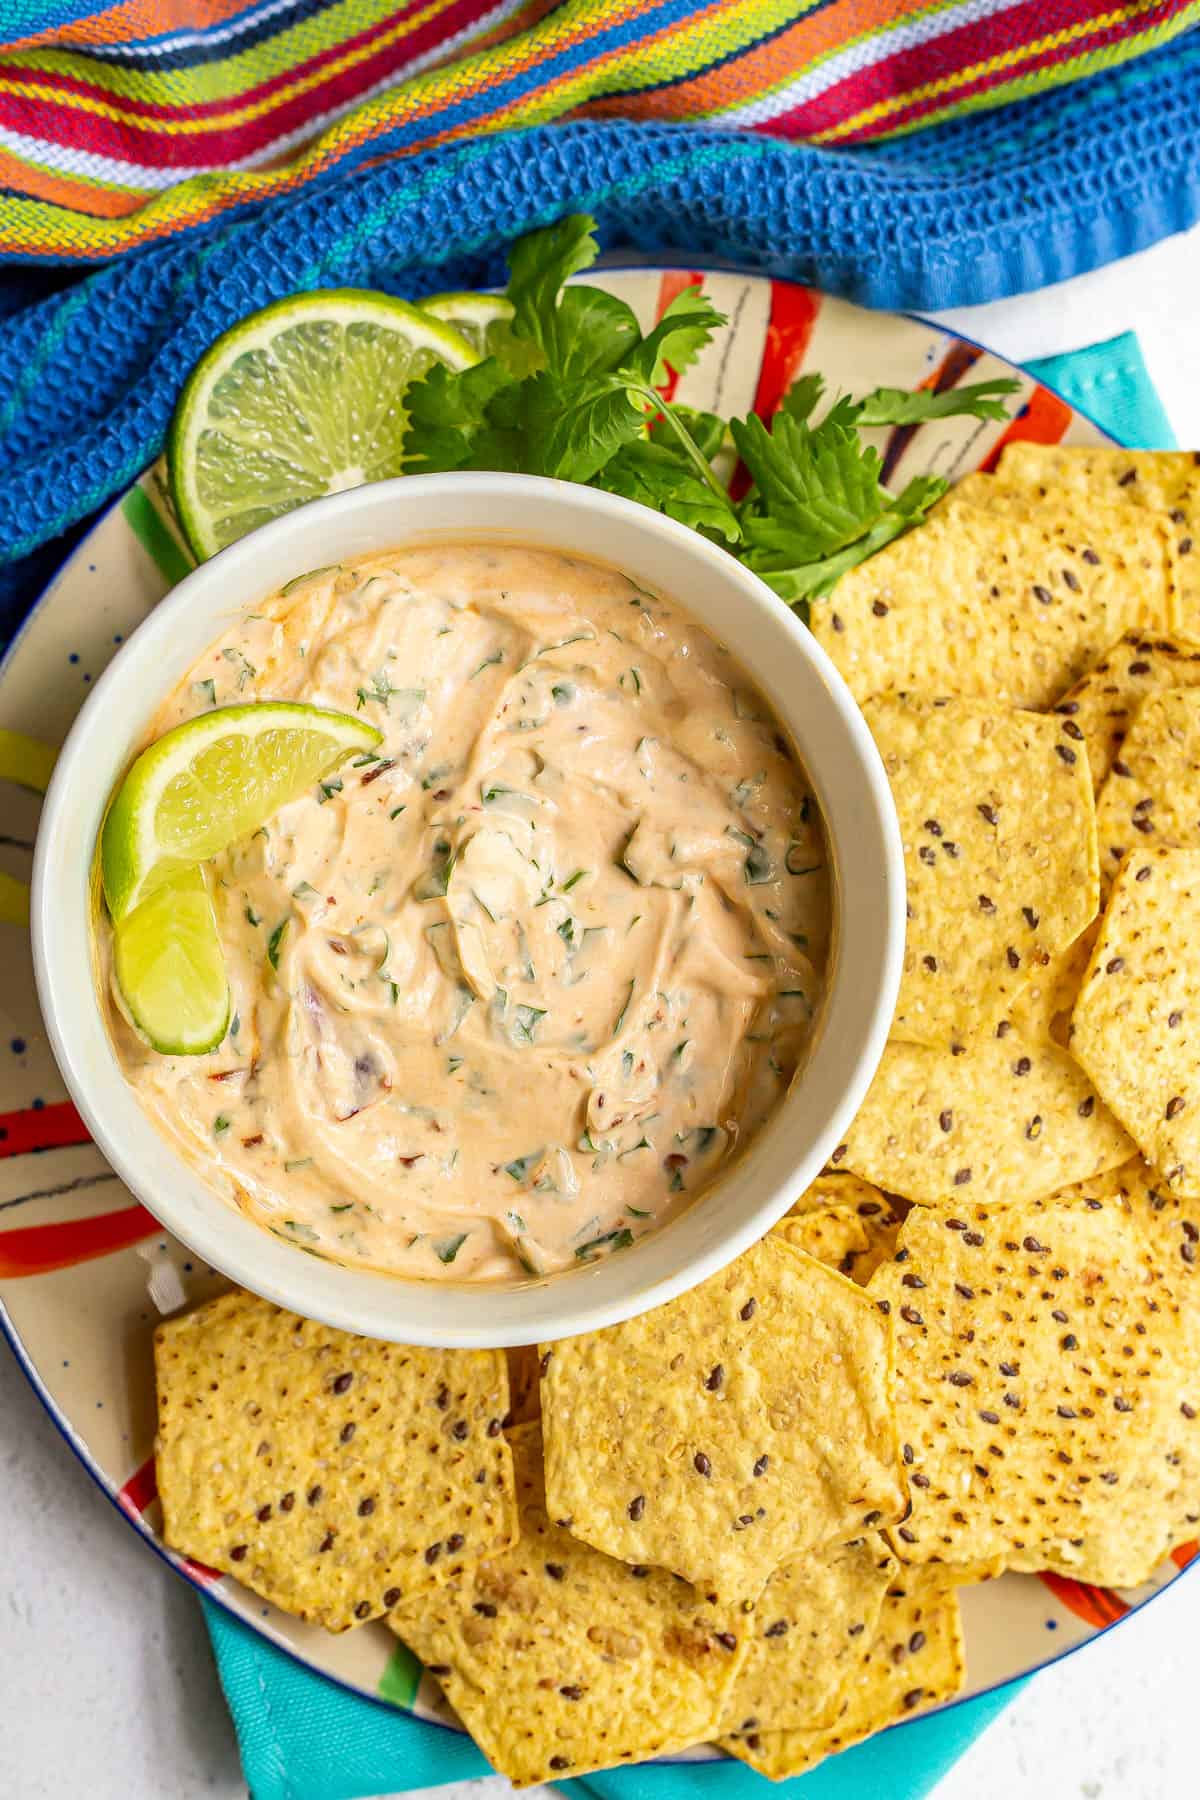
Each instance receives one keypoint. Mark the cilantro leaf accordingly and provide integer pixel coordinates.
(818, 490)
(895, 406)
(802, 397)
(597, 330)
(448, 425)
(681, 333)
(569, 428)
(660, 475)
(814, 580)
(922, 492)
(538, 268)
(587, 331)
(706, 429)
(572, 393)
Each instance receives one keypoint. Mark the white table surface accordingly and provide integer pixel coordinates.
(107, 1687)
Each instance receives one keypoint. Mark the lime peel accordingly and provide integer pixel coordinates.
(301, 399)
(170, 968)
(212, 780)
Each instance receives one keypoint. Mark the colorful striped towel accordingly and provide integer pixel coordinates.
(105, 119)
(124, 124)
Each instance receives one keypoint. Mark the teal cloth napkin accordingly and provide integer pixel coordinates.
(1110, 382)
(304, 1738)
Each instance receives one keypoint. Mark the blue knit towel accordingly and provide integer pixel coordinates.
(988, 205)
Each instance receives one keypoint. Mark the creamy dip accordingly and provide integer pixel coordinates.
(511, 993)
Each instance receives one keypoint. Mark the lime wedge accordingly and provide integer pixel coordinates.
(299, 400)
(212, 780)
(483, 319)
(170, 968)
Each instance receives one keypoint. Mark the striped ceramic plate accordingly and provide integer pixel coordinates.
(84, 1271)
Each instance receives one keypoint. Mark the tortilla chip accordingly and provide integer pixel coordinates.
(1165, 481)
(559, 1660)
(729, 1431)
(809, 1628)
(981, 606)
(833, 1199)
(331, 1474)
(1152, 795)
(914, 1660)
(999, 834)
(1170, 1224)
(835, 1188)
(978, 489)
(1088, 472)
(835, 1235)
(1136, 1024)
(1042, 1010)
(1039, 1361)
(1102, 704)
(523, 1378)
(1171, 1228)
(1107, 513)
(1005, 1119)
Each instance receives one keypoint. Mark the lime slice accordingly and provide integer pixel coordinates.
(483, 319)
(299, 400)
(170, 968)
(212, 780)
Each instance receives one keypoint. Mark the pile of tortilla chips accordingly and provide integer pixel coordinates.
(972, 1346)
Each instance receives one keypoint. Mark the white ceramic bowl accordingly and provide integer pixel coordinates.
(841, 760)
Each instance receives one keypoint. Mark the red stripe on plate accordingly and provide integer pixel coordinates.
(794, 311)
(1043, 420)
(1182, 1555)
(141, 1491)
(673, 283)
(793, 315)
(1094, 1605)
(41, 1128)
(39, 1249)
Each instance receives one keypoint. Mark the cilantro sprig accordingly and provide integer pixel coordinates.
(573, 393)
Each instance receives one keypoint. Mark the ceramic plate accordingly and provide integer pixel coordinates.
(85, 1274)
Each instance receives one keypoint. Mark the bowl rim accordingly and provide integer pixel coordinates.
(865, 849)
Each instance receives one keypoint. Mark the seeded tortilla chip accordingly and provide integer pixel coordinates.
(1005, 1119)
(1169, 1222)
(835, 1235)
(809, 1629)
(1101, 705)
(832, 1201)
(1039, 1361)
(523, 1377)
(1088, 472)
(1104, 516)
(1136, 1024)
(1164, 481)
(835, 1188)
(1042, 1010)
(976, 605)
(1152, 795)
(999, 834)
(914, 1660)
(560, 1660)
(1171, 1228)
(330, 1473)
(732, 1429)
